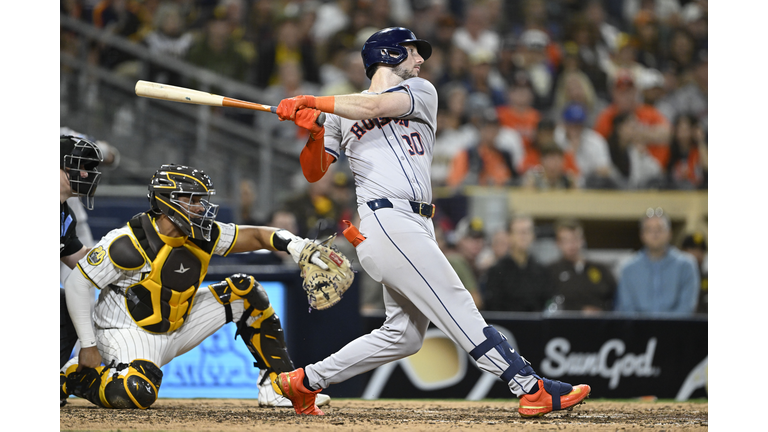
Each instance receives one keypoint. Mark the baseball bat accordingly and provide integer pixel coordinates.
(167, 92)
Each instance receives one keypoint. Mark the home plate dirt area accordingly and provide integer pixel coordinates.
(171, 415)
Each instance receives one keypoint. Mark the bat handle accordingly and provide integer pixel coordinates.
(320, 119)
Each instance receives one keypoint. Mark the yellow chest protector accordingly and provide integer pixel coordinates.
(161, 302)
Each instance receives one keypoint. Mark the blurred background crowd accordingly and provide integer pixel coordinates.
(535, 94)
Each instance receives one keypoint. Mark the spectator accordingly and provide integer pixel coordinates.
(681, 53)
(353, 79)
(691, 97)
(169, 38)
(652, 88)
(592, 51)
(262, 22)
(659, 278)
(475, 35)
(589, 148)
(122, 18)
(519, 114)
(687, 167)
(632, 166)
(290, 46)
(316, 212)
(484, 162)
(666, 11)
(646, 33)
(573, 85)
(484, 78)
(694, 19)
(489, 256)
(517, 282)
(551, 172)
(454, 132)
(544, 138)
(532, 52)
(596, 17)
(248, 198)
(218, 51)
(580, 284)
(653, 130)
(624, 61)
(696, 245)
(456, 69)
(290, 83)
(468, 242)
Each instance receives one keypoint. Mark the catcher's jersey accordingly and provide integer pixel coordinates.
(147, 279)
(69, 243)
(400, 148)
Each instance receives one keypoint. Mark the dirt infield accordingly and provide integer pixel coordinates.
(172, 415)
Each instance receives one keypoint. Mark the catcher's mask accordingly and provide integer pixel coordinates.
(80, 159)
(183, 194)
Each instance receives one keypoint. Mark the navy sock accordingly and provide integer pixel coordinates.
(305, 381)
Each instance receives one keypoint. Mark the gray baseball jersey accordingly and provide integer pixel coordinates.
(390, 158)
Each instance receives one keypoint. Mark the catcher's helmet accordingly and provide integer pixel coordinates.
(183, 194)
(80, 159)
(382, 44)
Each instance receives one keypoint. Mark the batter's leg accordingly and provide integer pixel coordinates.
(407, 257)
(401, 335)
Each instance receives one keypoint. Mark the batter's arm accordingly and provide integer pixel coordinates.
(366, 106)
(361, 106)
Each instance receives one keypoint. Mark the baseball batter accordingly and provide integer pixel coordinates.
(150, 309)
(387, 134)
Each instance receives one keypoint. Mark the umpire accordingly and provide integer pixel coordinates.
(78, 177)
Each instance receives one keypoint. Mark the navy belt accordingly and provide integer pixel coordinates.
(424, 209)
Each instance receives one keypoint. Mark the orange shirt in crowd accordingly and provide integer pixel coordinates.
(646, 115)
(689, 168)
(494, 172)
(523, 121)
(533, 158)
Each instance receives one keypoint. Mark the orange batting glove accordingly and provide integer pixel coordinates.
(307, 118)
(287, 108)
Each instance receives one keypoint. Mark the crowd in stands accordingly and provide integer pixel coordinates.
(624, 82)
(541, 94)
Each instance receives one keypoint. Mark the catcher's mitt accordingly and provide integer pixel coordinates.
(325, 287)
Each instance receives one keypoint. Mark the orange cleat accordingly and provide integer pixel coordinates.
(292, 387)
(541, 402)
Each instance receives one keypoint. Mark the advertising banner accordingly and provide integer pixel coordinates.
(617, 357)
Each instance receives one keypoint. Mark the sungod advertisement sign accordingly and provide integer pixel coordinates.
(617, 357)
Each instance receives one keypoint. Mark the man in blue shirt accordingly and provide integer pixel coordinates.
(659, 278)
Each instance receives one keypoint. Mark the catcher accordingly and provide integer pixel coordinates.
(151, 309)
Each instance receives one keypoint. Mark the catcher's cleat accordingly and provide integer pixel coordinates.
(63, 389)
(541, 402)
(303, 399)
(268, 397)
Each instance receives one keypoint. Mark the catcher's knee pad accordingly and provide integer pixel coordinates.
(495, 340)
(259, 325)
(132, 385)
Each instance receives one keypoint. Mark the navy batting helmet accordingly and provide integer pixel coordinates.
(382, 45)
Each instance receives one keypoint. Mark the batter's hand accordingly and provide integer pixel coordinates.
(307, 118)
(287, 108)
(88, 358)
